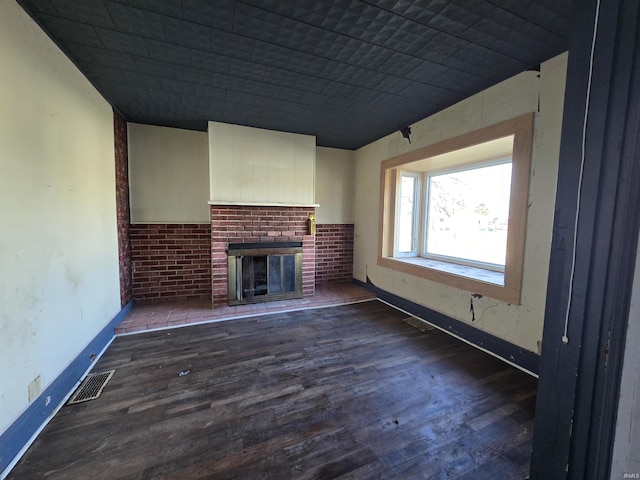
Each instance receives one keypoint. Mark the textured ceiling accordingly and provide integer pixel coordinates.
(347, 71)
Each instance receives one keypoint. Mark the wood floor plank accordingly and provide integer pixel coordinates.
(351, 392)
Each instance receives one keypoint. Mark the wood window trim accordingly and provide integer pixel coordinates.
(522, 129)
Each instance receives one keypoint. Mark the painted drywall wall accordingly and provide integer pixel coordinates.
(168, 175)
(626, 449)
(58, 242)
(541, 92)
(335, 170)
(253, 165)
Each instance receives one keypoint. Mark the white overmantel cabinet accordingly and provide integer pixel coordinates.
(261, 167)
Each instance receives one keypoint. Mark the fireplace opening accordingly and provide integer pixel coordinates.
(264, 272)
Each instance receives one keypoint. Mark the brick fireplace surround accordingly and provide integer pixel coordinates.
(244, 224)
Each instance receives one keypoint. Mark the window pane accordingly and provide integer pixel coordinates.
(289, 270)
(274, 274)
(406, 221)
(468, 214)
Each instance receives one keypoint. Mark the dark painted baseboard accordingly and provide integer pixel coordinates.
(501, 348)
(21, 431)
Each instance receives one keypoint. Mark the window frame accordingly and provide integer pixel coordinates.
(426, 175)
(416, 231)
(521, 128)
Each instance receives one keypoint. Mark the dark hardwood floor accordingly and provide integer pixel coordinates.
(341, 392)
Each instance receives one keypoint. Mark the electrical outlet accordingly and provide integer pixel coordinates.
(35, 389)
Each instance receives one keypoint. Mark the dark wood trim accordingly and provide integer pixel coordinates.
(509, 352)
(580, 380)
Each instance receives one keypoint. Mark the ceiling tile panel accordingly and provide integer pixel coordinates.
(370, 56)
(81, 53)
(307, 83)
(135, 21)
(107, 73)
(273, 91)
(347, 71)
(71, 31)
(421, 11)
(339, 90)
(344, 72)
(40, 6)
(298, 9)
(194, 75)
(210, 61)
(338, 47)
(426, 71)
(232, 45)
(410, 37)
(135, 79)
(291, 107)
(269, 54)
(217, 14)
(399, 64)
(244, 69)
(122, 42)
(186, 34)
(91, 12)
(168, 52)
(367, 79)
(337, 16)
(170, 8)
(453, 19)
(111, 59)
(428, 93)
(393, 85)
(460, 82)
(156, 68)
(223, 81)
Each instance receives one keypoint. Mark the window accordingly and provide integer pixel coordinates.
(455, 212)
(467, 214)
(407, 227)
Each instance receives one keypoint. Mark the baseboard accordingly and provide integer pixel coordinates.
(16, 439)
(510, 353)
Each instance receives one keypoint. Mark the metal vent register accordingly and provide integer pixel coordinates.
(92, 386)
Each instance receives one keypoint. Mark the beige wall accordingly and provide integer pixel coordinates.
(335, 170)
(58, 247)
(521, 325)
(168, 175)
(253, 165)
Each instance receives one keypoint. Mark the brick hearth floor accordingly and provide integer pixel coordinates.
(155, 315)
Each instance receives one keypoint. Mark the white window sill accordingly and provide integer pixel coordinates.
(474, 273)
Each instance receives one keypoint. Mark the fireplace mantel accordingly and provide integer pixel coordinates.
(262, 204)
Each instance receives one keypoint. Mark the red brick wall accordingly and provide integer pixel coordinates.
(243, 224)
(334, 253)
(171, 261)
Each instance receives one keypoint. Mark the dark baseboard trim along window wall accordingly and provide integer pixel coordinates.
(524, 359)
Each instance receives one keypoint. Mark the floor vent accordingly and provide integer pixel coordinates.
(418, 323)
(91, 387)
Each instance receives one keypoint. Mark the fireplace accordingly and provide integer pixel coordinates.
(266, 227)
(263, 272)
